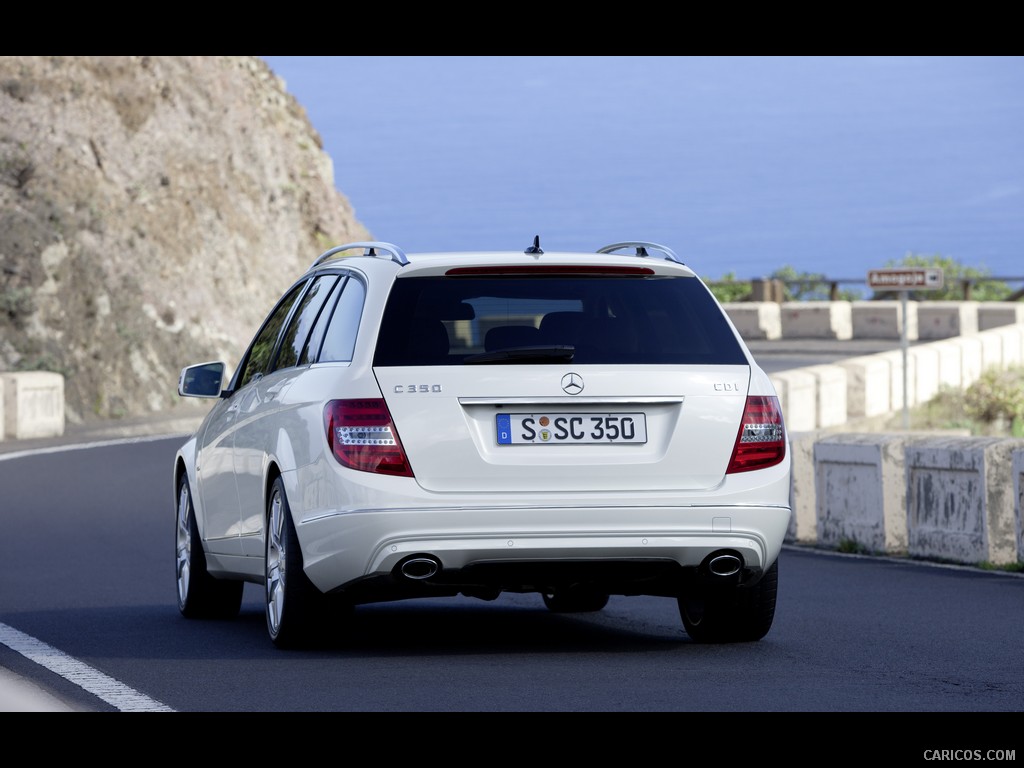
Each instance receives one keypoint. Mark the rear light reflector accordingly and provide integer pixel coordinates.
(362, 436)
(761, 441)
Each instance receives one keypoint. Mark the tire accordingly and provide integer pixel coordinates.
(575, 600)
(731, 614)
(200, 595)
(296, 611)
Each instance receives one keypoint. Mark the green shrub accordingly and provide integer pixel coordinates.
(997, 397)
(852, 547)
(728, 288)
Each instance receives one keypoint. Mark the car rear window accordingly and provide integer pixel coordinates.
(603, 319)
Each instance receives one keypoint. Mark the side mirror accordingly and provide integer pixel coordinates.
(202, 380)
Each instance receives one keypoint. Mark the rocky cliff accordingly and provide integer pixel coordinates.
(152, 209)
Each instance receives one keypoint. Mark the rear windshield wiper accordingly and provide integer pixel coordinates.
(556, 353)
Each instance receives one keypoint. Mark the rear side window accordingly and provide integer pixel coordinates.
(623, 320)
(257, 362)
(303, 320)
(316, 336)
(340, 336)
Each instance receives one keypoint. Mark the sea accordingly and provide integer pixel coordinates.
(742, 166)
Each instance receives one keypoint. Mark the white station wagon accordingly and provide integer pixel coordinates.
(571, 425)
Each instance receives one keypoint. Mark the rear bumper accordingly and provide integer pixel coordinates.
(622, 549)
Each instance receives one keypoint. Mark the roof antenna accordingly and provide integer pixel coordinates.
(535, 248)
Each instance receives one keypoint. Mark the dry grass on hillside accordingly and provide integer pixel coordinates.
(991, 407)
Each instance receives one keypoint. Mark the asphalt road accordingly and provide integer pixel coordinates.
(89, 583)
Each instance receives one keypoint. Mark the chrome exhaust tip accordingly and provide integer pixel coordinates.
(725, 564)
(420, 567)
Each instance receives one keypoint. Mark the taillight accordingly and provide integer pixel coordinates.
(761, 441)
(362, 436)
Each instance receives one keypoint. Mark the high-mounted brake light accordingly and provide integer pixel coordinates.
(362, 436)
(761, 441)
(551, 269)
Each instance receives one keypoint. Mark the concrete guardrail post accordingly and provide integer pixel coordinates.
(883, 319)
(803, 527)
(1011, 338)
(992, 314)
(1018, 499)
(971, 363)
(798, 392)
(817, 320)
(945, 319)
(755, 320)
(960, 504)
(868, 386)
(861, 491)
(33, 404)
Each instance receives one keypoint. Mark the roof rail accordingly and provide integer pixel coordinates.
(370, 248)
(642, 250)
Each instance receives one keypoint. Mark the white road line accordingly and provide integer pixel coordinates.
(85, 446)
(107, 689)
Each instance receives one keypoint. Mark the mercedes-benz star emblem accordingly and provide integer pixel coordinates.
(572, 383)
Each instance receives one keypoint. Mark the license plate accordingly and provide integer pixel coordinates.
(570, 428)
